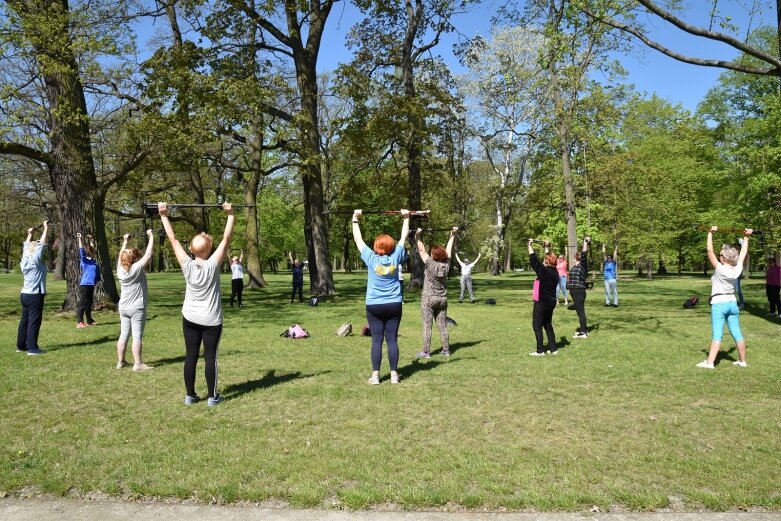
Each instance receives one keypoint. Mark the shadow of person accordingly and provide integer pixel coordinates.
(461, 345)
(422, 365)
(722, 355)
(90, 342)
(270, 379)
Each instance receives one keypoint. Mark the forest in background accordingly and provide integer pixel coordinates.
(536, 134)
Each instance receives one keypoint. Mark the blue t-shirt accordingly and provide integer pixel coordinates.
(383, 286)
(90, 272)
(610, 270)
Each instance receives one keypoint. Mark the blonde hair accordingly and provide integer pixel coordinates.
(730, 254)
(201, 244)
(128, 257)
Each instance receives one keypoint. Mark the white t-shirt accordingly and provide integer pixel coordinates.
(237, 271)
(202, 303)
(133, 286)
(466, 269)
(723, 281)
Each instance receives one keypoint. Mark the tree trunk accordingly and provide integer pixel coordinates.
(252, 233)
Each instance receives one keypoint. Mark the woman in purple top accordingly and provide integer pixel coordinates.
(773, 286)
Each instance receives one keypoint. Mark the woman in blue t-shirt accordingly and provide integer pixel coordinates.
(383, 293)
(90, 276)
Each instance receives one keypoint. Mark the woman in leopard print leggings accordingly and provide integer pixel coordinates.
(433, 301)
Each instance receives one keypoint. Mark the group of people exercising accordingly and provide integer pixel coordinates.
(202, 314)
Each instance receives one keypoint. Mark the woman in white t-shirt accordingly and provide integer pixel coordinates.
(237, 278)
(724, 306)
(132, 302)
(202, 308)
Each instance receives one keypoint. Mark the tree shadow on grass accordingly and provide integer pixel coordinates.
(422, 365)
(84, 343)
(759, 312)
(270, 379)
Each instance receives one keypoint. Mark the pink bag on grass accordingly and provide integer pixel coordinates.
(536, 290)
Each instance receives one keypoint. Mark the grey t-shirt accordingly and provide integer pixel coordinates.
(435, 280)
(202, 303)
(133, 286)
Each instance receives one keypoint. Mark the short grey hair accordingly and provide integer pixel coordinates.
(730, 254)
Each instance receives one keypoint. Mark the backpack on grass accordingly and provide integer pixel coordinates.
(691, 303)
(344, 330)
(295, 331)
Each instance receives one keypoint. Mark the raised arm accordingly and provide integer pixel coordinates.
(709, 245)
(29, 234)
(615, 254)
(604, 253)
(121, 249)
(451, 242)
(241, 256)
(150, 241)
(44, 233)
(477, 259)
(421, 246)
(458, 259)
(744, 246)
(169, 231)
(290, 257)
(222, 249)
(404, 227)
(531, 248)
(357, 231)
(81, 243)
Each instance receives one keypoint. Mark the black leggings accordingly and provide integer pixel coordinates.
(773, 297)
(300, 288)
(194, 334)
(384, 320)
(542, 317)
(237, 287)
(579, 301)
(86, 299)
(30, 322)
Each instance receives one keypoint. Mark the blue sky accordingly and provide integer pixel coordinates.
(650, 71)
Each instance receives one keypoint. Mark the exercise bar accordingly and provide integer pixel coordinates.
(152, 208)
(704, 228)
(418, 213)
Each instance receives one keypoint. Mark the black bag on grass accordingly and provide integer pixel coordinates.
(691, 303)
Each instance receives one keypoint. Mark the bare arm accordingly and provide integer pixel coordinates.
(531, 248)
(241, 256)
(421, 246)
(744, 246)
(357, 231)
(458, 259)
(121, 249)
(404, 227)
(181, 255)
(450, 242)
(29, 234)
(712, 256)
(45, 232)
(290, 256)
(222, 249)
(477, 259)
(150, 236)
(615, 254)
(81, 243)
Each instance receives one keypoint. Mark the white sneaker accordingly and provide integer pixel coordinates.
(740, 363)
(705, 365)
(535, 353)
(394, 378)
(374, 380)
(580, 335)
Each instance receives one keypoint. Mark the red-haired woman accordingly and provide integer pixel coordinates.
(433, 300)
(542, 316)
(133, 300)
(383, 293)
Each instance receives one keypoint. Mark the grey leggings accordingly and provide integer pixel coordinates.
(466, 283)
(132, 321)
(434, 308)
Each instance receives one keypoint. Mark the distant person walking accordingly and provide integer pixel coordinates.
(202, 309)
(298, 278)
(433, 299)
(561, 289)
(237, 278)
(576, 282)
(611, 276)
(383, 293)
(131, 272)
(542, 312)
(33, 292)
(773, 285)
(90, 276)
(466, 277)
(724, 307)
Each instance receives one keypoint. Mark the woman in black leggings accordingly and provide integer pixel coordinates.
(383, 293)
(545, 303)
(576, 284)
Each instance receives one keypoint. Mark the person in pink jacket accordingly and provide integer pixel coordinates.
(561, 289)
(773, 286)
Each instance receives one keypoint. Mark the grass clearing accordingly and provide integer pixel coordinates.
(623, 417)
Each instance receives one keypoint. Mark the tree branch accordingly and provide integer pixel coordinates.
(17, 149)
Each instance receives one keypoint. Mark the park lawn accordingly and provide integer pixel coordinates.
(622, 418)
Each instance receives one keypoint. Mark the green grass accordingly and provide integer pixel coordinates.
(621, 418)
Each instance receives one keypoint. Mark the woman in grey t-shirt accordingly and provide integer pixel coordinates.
(202, 308)
(133, 300)
(433, 300)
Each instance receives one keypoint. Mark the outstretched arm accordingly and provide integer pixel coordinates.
(44, 233)
(531, 248)
(357, 231)
(222, 249)
(181, 255)
(744, 246)
(709, 244)
(458, 259)
(615, 254)
(451, 241)
(421, 246)
(121, 249)
(150, 240)
(477, 259)
(404, 227)
(290, 256)
(241, 256)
